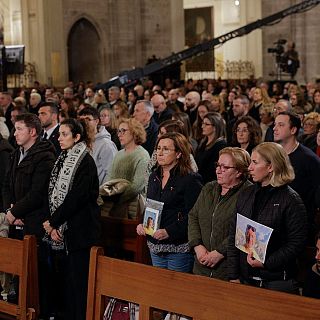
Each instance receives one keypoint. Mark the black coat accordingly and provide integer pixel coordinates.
(306, 166)
(179, 195)
(281, 209)
(5, 150)
(114, 137)
(80, 209)
(26, 186)
(54, 140)
(166, 114)
(8, 116)
(152, 136)
(206, 158)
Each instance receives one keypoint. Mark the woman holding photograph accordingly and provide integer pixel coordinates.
(209, 219)
(175, 185)
(272, 203)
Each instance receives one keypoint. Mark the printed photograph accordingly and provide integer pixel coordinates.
(252, 237)
(150, 221)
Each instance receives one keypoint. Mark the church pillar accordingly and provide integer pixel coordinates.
(42, 25)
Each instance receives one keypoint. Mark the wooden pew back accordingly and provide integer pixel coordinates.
(198, 297)
(120, 233)
(20, 258)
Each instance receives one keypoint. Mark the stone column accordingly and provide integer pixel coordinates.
(42, 25)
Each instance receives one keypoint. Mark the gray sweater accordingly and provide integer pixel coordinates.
(103, 152)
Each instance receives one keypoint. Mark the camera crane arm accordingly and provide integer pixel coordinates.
(128, 76)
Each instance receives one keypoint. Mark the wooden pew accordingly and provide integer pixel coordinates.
(20, 258)
(198, 297)
(120, 233)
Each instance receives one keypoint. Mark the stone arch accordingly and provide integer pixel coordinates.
(84, 52)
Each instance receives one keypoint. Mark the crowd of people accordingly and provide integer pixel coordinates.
(206, 151)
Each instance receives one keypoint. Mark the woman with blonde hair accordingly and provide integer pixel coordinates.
(109, 121)
(260, 97)
(272, 203)
(309, 136)
(121, 111)
(209, 219)
(130, 163)
(218, 105)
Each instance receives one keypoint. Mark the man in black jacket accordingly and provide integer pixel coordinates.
(25, 190)
(26, 184)
(305, 163)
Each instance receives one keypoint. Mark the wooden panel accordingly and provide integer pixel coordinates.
(120, 234)
(20, 258)
(9, 308)
(198, 297)
(10, 249)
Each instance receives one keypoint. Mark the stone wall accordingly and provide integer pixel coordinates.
(130, 31)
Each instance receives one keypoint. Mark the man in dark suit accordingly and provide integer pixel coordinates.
(48, 115)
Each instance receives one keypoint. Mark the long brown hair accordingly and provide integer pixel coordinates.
(181, 145)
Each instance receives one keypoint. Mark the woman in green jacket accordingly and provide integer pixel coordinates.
(209, 220)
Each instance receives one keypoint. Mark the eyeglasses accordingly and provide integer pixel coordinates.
(122, 131)
(242, 130)
(223, 167)
(164, 151)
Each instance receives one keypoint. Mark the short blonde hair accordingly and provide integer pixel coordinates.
(314, 116)
(274, 154)
(137, 130)
(240, 158)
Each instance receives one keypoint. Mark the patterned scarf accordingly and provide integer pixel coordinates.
(60, 184)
